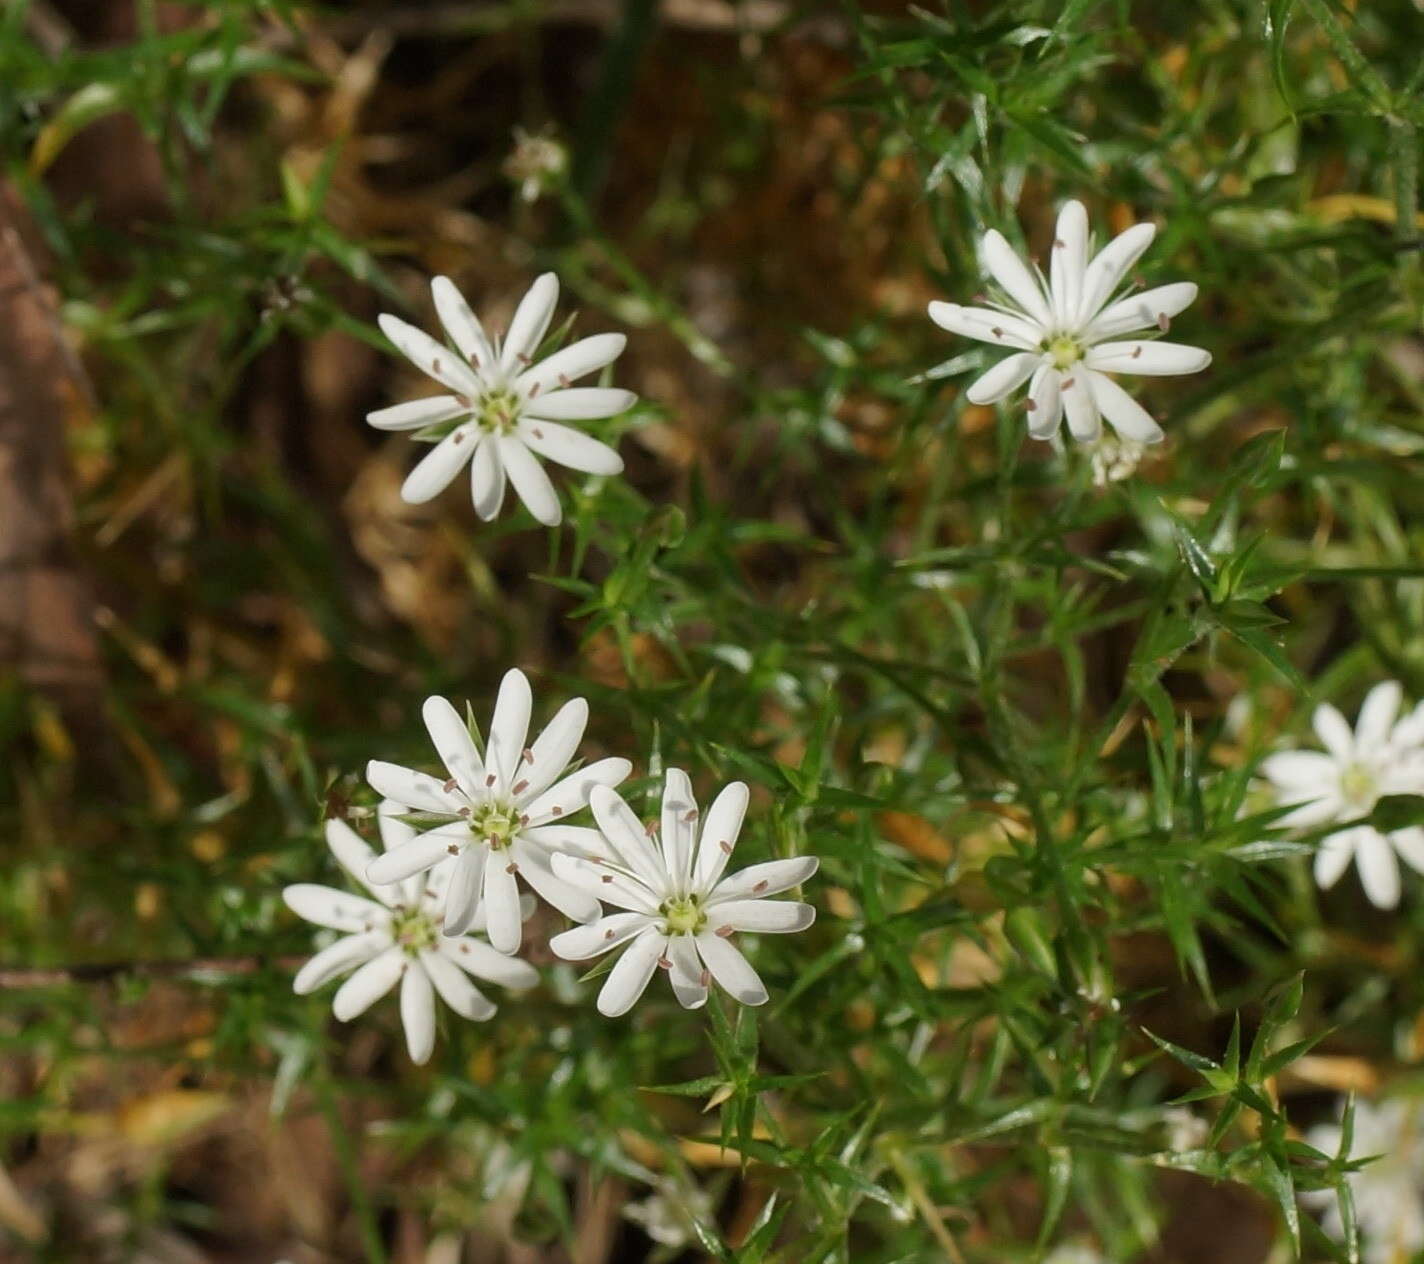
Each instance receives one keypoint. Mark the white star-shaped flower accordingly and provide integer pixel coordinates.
(506, 811)
(395, 938)
(679, 909)
(1346, 780)
(1066, 333)
(505, 410)
(1388, 1193)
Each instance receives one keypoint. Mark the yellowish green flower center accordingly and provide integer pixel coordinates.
(1359, 787)
(1064, 351)
(497, 410)
(494, 823)
(682, 915)
(413, 930)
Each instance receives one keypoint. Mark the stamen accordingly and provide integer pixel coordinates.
(453, 849)
(608, 934)
(1031, 404)
(1136, 351)
(527, 756)
(690, 816)
(997, 332)
(725, 846)
(706, 976)
(564, 380)
(520, 787)
(489, 779)
(556, 811)
(608, 877)
(1162, 322)
(664, 963)
(723, 932)
(650, 828)
(760, 887)
(449, 786)
(1069, 382)
(511, 868)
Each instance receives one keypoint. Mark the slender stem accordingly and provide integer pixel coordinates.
(347, 1159)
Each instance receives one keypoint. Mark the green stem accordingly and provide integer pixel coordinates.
(347, 1160)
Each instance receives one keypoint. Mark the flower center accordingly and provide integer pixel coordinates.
(682, 915)
(413, 930)
(1359, 787)
(1064, 351)
(497, 410)
(494, 823)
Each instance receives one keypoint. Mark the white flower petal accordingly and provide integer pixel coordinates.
(1378, 866)
(1068, 261)
(732, 971)
(1045, 402)
(687, 974)
(531, 483)
(430, 356)
(534, 868)
(605, 883)
(417, 790)
(1334, 732)
(454, 745)
(1084, 421)
(580, 403)
(720, 828)
(1333, 857)
(530, 323)
(566, 797)
(509, 730)
(487, 479)
(340, 910)
(596, 938)
(570, 363)
(371, 982)
(353, 854)
(476, 957)
(985, 324)
(765, 917)
(455, 987)
(461, 323)
(1299, 769)
(1124, 413)
(1013, 277)
(1378, 713)
(394, 832)
(1314, 809)
(1143, 310)
(1110, 265)
(1004, 378)
(627, 837)
(462, 891)
(417, 1007)
(551, 751)
(576, 840)
(1409, 843)
(629, 977)
(437, 469)
(421, 853)
(568, 447)
(771, 877)
(336, 959)
(1410, 731)
(678, 826)
(418, 412)
(503, 919)
(1149, 359)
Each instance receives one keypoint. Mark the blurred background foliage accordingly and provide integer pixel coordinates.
(1015, 712)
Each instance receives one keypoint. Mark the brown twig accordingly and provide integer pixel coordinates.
(103, 971)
